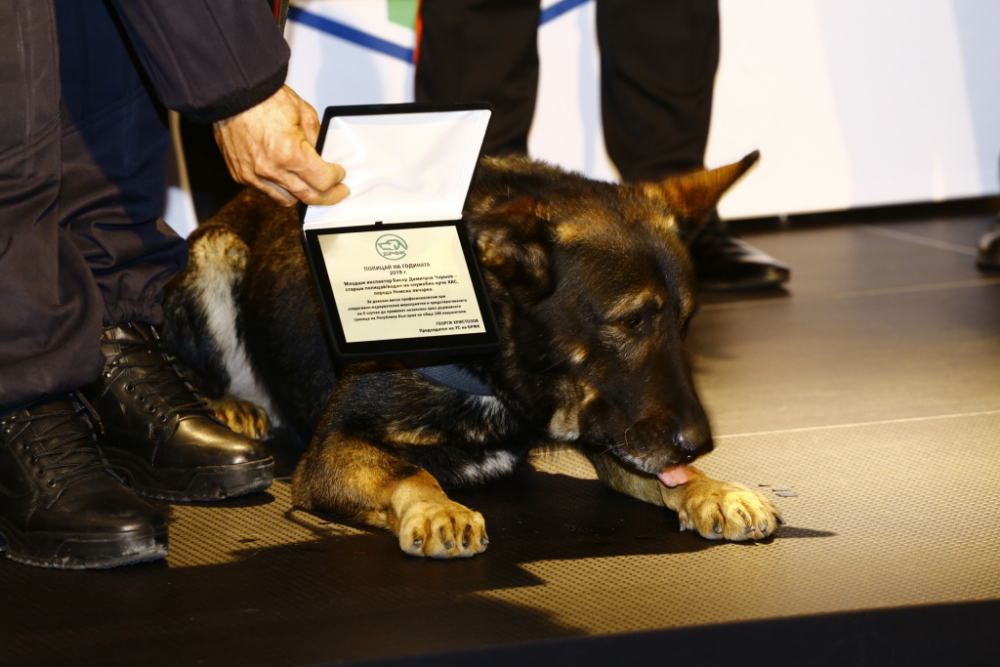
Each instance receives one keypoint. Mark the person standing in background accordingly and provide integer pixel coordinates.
(658, 65)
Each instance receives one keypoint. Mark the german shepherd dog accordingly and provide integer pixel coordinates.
(593, 290)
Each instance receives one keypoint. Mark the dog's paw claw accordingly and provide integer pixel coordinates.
(467, 537)
(442, 529)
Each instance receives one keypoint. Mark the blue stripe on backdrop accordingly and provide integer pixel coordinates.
(355, 36)
(560, 8)
(347, 33)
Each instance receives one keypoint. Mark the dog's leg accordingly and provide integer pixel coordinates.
(717, 510)
(352, 477)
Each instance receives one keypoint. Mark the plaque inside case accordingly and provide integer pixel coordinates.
(393, 266)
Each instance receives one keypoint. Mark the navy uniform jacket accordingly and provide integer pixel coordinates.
(207, 59)
(82, 163)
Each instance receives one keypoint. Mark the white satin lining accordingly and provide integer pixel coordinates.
(406, 167)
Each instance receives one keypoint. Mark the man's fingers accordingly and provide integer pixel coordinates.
(271, 147)
(310, 124)
(330, 190)
(334, 195)
(275, 192)
(310, 179)
(317, 174)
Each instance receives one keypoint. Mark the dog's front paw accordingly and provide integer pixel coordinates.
(721, 510)
(241, 416)
(442, 529)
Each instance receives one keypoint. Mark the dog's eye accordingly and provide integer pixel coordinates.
(642, 319)
(632, 321)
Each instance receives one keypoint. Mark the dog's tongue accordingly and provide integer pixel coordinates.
(674, 476)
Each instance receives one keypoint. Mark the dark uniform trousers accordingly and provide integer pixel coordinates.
(658, 64)
(83, 145)
(83, 148)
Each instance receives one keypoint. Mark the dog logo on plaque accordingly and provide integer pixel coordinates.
(391, 246)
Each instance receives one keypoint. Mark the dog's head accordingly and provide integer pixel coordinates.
(594, 291)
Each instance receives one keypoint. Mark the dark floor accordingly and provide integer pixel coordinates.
(870, 388)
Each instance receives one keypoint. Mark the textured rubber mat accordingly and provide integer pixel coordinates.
(867, 407)
(258, 583)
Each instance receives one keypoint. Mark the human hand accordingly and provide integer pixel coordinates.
(271, 147)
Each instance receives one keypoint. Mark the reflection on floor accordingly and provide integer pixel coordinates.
(869, 388)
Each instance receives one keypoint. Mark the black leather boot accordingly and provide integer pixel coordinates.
(989, 248)
(723, 262)
(159, 433)
(61, 506)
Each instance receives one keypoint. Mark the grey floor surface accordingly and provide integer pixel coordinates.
(870, 388)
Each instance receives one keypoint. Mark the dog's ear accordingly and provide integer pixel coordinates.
(693, 195)
(515, 248)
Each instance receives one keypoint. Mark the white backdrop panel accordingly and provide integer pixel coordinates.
(851, 102)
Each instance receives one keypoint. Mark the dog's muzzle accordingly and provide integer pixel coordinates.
(655, 445)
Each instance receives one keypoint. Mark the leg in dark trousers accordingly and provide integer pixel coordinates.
(82, 192)
(61, 505)
(84, 259)
(483, 50)
(988, 258)
(658, 63)
(50, 325)
(115, 146)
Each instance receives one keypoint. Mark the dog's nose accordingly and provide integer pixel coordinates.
(693, 439)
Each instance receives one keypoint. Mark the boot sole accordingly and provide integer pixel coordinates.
(191, 484)
(91, 552)
(988, 262)
(769, 280)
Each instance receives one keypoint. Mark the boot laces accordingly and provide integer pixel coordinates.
(73, 451)
(158, 371)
